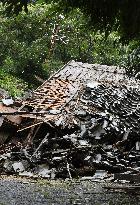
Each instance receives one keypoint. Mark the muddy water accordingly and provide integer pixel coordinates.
(43, 192)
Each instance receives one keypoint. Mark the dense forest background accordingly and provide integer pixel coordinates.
(37, 43)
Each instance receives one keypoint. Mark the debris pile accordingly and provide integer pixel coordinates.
(83, 121)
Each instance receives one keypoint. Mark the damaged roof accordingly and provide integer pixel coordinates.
(87, 87)
(99, 102)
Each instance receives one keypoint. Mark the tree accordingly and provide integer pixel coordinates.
(15, 6)
(104, 15)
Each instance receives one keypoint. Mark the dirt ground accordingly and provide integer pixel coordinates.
(21, 191)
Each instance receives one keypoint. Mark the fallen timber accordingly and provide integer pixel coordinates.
(83, 121)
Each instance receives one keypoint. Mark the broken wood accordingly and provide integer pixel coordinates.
(45, 139)
(84, 119)
(29, 126)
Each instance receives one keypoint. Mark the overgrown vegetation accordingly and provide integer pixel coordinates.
(15, 86)
(103, 15)
(35, 44)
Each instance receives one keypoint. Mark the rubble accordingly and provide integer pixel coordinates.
(82, 122)
(8, 101)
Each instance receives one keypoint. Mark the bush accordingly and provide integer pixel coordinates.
(25, 43)
(30, 47)
(15, 87)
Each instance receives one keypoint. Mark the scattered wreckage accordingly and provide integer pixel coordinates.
(83, 121)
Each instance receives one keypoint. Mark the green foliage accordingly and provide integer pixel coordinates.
(78, 42)
(15, 87)
(110, 50)
(25, 41)
(132, 63)
(15, 6)
(104, 15)
(27, 51)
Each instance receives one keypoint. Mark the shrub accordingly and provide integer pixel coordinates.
(15, 87)
(30, 47)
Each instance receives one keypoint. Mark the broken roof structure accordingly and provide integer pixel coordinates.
(92, 118)
(82, 87)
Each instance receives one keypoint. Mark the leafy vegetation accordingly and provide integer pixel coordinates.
(25, 41)
(15, 86)
(35, 44)
(104, 15)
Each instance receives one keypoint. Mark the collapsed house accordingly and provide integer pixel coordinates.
(84, 118)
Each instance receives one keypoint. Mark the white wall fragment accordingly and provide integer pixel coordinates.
(18, 167)
(8, 101)
(92, 84)
(137, 146)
